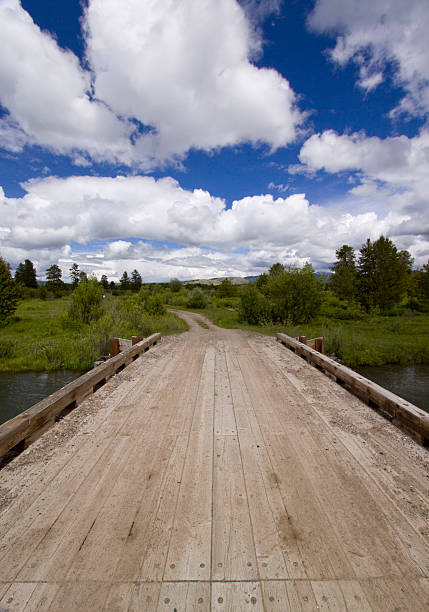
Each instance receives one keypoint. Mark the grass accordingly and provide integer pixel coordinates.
(202, 324)
(41, 338)
(374, 340)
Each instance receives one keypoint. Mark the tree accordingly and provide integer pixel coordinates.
(422, 286)
(53, 278)
(125, 281)
(344, 273)
(104, 282)
(296, 294)
(26, 274)
(175, 285)
(83, 277)
(254, 306)
(225, 289)
(276, 269)
(74, 275)
(136, 280)
(384, 274)
(85, 302)
(9, 295)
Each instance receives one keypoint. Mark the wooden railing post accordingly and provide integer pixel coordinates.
(135, 340)
(114, 347)
(302, 339)
(319, 345)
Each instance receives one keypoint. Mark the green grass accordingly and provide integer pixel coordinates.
(202, 324)
(40, 338)
(374, 340)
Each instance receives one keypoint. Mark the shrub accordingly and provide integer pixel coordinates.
(335, 308)
(86, 302)
(197, 299)
(254, 306)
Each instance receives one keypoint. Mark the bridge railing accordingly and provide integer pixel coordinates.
(401, 413)
(26, 427)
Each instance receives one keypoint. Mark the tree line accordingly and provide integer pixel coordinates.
(379, 278)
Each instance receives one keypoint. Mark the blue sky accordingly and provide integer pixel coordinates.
(211, 138)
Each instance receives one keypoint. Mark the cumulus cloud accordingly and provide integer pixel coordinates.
(381, 35)
(393, 175)
(46, 93)
(398, 160)
(111, 224)
(181, 78)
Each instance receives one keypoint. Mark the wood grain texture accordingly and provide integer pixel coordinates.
(221, 472)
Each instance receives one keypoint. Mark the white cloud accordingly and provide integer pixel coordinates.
(183, 70)
(136, 222)
(46, 92)
(398, 160)
(375, 34)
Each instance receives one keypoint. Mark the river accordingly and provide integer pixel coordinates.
(20, 390)
(409, 382)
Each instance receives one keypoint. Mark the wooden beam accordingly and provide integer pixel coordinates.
(31, 423)
(410, 418)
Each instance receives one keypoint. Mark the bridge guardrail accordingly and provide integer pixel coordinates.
(26, 427)
(410, 418)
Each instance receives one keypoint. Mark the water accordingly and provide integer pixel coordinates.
(20, 390)
(409, 382)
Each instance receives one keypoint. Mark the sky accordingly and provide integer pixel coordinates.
(208, 138)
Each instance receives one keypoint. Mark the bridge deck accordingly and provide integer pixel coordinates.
(218, 472)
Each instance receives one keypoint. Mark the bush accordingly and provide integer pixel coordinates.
(254, 306)
(86, 302)
(197, 299)
(335, 308)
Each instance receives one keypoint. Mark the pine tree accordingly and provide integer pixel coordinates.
(53, 277)
(74, 275)
(125, 281)
(384, 274)
(104, 282)
(344, 273)
(136, 280)
(9, 295)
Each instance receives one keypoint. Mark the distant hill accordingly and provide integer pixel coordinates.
(235, 280)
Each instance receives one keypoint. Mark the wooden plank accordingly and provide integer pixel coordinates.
(354, 596)
(301, 596)
(233, 549)
(234, 596)
(16, 597)
(275, 596)
(80, 596)
(189, 596)
(189, 551)
(262, 491)
(329, 596)
(145, 550)
(144, 597)
(224, 417)
(391, 594)
(42, 597)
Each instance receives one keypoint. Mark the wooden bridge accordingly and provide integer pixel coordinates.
(219, 471)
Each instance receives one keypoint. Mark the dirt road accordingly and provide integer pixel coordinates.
(218, 472)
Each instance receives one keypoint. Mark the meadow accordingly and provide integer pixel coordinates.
(373, 340)
(41, 337)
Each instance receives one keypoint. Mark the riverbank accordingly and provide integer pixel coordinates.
(374, 340)
(41, 338)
